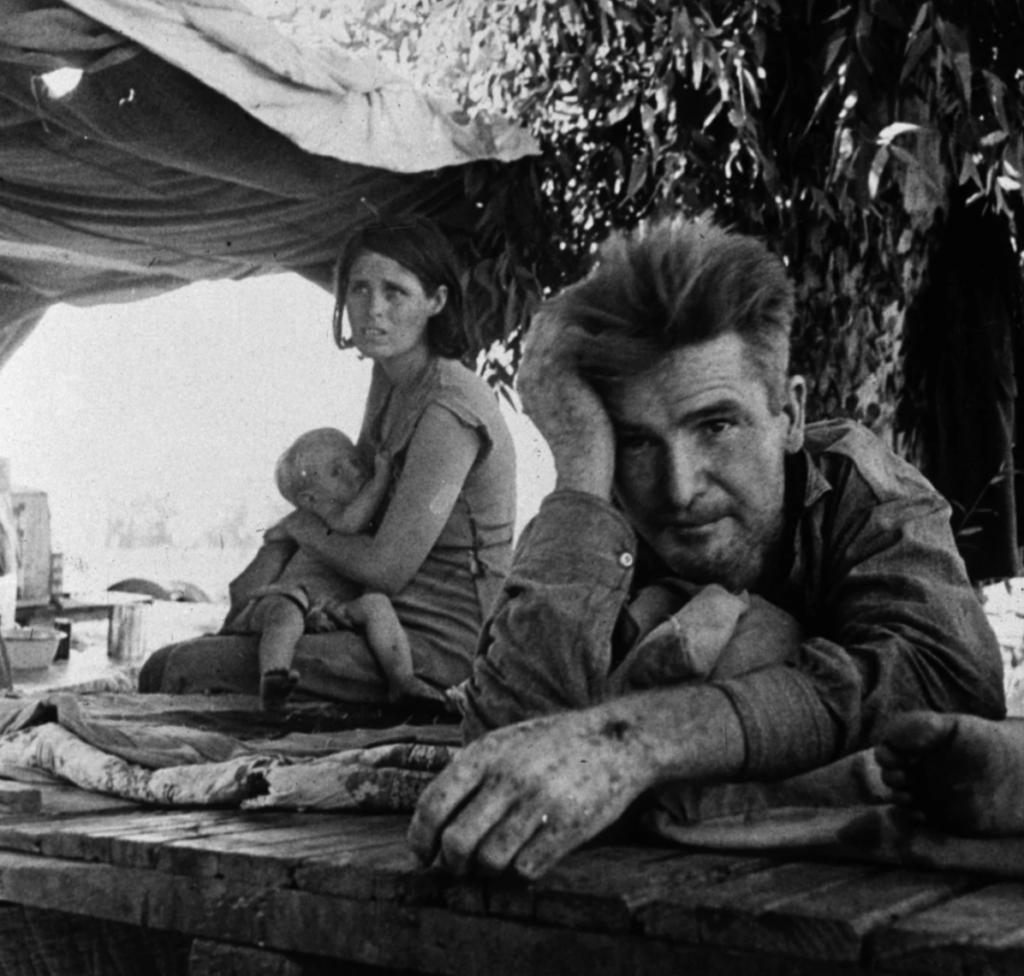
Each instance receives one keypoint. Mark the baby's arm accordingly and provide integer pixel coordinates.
(356, 516)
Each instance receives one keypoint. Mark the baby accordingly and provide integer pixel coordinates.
(282, 594)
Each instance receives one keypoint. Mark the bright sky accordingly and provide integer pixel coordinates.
(190, 398)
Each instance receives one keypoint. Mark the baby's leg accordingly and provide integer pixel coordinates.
(963, 774)
(281, 622)
(390, 644)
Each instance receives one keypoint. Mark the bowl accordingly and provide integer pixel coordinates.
(31, 648)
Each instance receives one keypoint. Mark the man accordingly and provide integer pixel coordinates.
(661, 384)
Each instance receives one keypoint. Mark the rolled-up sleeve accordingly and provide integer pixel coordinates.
(547, 645)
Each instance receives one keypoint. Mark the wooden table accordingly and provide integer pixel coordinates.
(122, 612)
(293, 893)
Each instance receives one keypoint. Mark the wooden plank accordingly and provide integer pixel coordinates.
(979, 933)
(28, 832)
(570, 894)
(268, 857)
(95, 840)
(209, 958)
(36, 940)
(428, 940)
(601, 888)
(385, 872)
(832, 923)
(19, 798)
(738, 913)
(60, 800)
(146, 848)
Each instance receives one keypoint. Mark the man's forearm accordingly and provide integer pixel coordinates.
(688, 732)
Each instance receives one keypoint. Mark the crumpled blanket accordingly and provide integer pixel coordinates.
(124, 745)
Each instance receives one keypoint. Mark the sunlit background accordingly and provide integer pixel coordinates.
(154, 426)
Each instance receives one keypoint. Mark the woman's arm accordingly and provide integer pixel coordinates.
(441, 453)
(356, 516)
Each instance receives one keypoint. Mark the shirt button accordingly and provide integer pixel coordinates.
(626, 560)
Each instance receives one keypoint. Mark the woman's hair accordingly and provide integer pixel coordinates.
(421, 248)
(676, 282)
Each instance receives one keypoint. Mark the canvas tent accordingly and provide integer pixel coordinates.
(202, 141)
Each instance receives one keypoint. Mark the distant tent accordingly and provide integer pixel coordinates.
(202, 143)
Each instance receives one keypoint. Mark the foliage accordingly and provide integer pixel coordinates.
(836, 129)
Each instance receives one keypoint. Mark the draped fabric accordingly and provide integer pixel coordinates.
(143, 178)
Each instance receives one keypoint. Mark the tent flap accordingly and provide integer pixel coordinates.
(143, 177)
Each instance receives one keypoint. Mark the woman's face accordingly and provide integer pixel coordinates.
(389, 308)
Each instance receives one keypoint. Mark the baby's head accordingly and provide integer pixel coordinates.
(322, 466)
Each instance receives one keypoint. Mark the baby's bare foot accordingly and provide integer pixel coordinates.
(963, 774)
(276, 687)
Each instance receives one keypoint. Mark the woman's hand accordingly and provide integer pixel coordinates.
(565, 408)
(526, 795)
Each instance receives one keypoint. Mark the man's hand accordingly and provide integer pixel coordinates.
(526, 795)
(564, 407)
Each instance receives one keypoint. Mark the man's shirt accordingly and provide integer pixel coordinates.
(891, 622)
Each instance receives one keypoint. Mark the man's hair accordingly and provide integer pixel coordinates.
(291, 474)
(676, 282)
(421, 248)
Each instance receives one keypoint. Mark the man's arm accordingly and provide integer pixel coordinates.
(565, 408)
(526, 795)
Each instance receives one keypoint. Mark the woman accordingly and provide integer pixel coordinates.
(443, 545)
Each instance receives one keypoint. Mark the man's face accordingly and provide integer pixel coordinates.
(700, 461)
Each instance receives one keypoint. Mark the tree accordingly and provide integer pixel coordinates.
(857, 136)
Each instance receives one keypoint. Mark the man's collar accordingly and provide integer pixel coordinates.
(802, 471)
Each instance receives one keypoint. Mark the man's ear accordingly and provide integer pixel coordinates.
(794, 411)
(439, 299)
(306, 498)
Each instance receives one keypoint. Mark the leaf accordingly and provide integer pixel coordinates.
(836, 43)
(621, 109)
(956, 45)
(969, 170)
(839, 14)
(922, 16)
(896, 129)
(994, 138)
(877, 167)
(996, 91)
(638, 175)
(916, 50)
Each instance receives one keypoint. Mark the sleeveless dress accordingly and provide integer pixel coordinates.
(442, 608)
